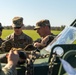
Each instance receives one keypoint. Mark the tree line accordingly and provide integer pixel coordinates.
(29, 27)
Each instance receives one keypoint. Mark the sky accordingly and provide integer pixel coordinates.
(58, 12)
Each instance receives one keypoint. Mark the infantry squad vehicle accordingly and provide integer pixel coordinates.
(47, 60)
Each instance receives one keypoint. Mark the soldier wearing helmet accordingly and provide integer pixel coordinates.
(17, 39)
(44, 30)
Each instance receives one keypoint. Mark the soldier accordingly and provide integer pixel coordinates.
(1, 28)
(12, 60)
(44, 30)
(17, 39)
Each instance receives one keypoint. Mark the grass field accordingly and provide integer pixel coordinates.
(31, 33)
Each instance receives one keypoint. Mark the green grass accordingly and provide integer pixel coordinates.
(31, 33)
(55, 32)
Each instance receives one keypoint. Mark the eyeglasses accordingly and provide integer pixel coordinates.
(17, 27)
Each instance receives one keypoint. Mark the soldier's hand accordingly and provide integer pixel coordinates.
(37, 44)
(42, 44)
(13, 57)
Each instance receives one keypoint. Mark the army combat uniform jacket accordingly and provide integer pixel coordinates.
(17, 41)
(1, 41)
(50, 38)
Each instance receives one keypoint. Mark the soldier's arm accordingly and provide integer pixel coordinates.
(12, 59)
(30, 40)
(42, 43)
(45, 41)
(9, 70)
(6, 45)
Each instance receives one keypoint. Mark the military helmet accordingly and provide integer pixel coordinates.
(42, 23)
(17, 22)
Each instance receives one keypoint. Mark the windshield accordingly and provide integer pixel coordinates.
(67, 36)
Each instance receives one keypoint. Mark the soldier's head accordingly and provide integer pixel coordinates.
(43, 27)
(1, 28)
(17, 24)
(42, 23)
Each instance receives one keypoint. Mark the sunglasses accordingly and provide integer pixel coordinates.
(17, 27)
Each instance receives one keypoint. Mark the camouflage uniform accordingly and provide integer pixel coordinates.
(50, 37)
(1, 41)
(17, 41)
(1, 28)
(43, 23)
